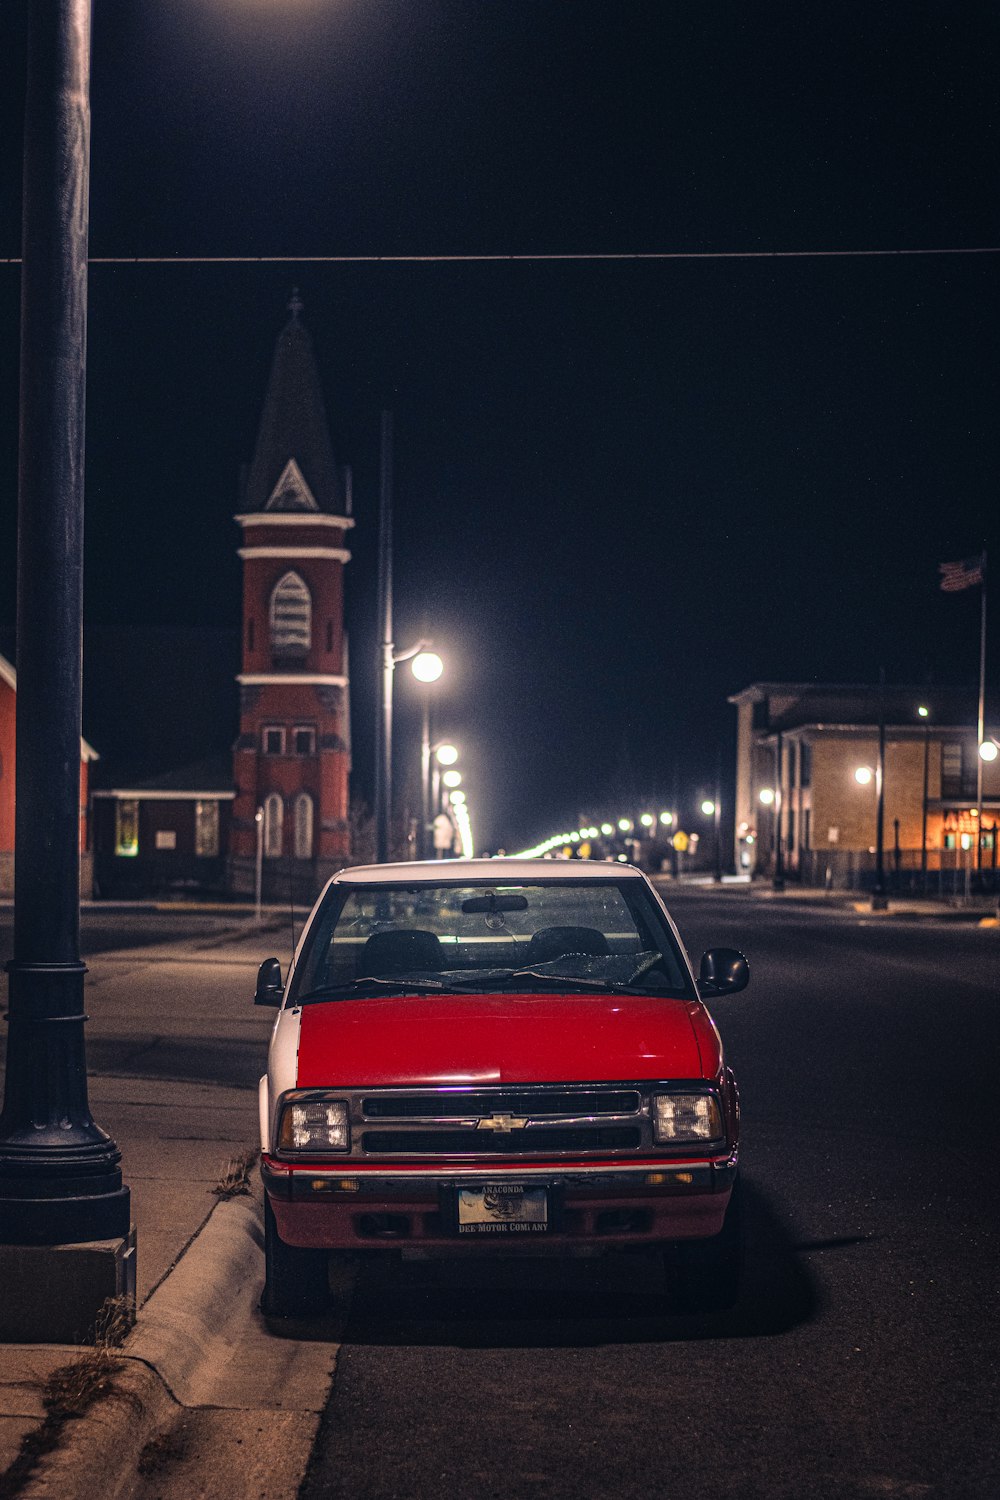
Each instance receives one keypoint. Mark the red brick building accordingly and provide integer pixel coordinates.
(292, 757)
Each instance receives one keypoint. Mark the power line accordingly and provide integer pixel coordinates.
(583, 255)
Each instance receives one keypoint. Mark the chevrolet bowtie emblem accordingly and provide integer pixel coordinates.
(503, 1123)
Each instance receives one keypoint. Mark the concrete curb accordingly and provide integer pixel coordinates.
(193, 1347)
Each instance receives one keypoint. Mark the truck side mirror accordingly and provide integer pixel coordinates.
(269, 986)
(724, 971)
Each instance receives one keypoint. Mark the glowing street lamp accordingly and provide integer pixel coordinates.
(647, 820)
(452, 779)
(625, 824)
(427, 668)
(864, 775)
(766, 795)
(666, 818)
(712, 809)
(446, 755)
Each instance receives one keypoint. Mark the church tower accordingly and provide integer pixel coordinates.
(292, 757)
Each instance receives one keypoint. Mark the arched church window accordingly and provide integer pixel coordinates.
(291, 619)
(303, 826)
(274, 821)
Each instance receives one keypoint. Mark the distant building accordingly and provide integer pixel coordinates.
(8, 744)
(292, 757)
(164, 834)
(799, 747)
(196, 827)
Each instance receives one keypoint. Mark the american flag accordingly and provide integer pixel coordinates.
(962, 575)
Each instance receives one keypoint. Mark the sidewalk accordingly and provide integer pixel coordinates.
(207, 1399)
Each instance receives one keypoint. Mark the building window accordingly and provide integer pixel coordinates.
(304, 739)
(127, 827)
(274, 823)
(272, 739)
(958, 769)
(303, 826)
(206, 830)
(805, 765)
(291, 619)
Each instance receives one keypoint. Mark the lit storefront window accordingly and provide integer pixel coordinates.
(127, 827)
(206, 830)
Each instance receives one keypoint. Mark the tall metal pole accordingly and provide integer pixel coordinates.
(383, 724)
(923, 820)
(981, 727)
(779, 868)
(879, 901)
(423, 843)
(60, 1180)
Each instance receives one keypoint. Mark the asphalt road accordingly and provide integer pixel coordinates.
(861, 1361)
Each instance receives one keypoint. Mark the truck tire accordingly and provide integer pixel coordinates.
(703, 1276)
(296, 1281)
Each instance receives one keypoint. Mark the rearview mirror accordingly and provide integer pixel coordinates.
(492, 902)
(269, 985)
(724, 971)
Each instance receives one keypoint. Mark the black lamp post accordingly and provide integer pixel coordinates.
(778, 882)
(60, 1181)
(880, 900)
(924, 714)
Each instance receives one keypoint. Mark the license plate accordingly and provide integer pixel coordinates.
(503, 1208)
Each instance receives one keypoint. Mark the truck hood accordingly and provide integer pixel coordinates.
(478, 1039)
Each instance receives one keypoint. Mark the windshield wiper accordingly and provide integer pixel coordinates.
(371, 981)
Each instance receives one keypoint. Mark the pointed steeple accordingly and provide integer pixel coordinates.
(293, 465)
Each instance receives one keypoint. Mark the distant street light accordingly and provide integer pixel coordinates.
(607, 830)
(766, 795)
(712, 809)
(426, 667)
(456, 798)
(923, 712)
(452, 779)
(446, 755)
(647, 820)
(666, 818)
(708, 807)
(625, 824)
(988, 750)
(864, 775)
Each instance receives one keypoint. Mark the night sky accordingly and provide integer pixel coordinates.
(624, 489)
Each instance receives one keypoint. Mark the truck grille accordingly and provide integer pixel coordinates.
(518, 1143)
(516, 1122)
(535, 1104)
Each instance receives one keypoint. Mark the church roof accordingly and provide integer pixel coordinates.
(293, 465)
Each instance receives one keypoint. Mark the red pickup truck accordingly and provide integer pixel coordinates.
(498, 1056)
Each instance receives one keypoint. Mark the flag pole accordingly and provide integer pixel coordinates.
(981, 725)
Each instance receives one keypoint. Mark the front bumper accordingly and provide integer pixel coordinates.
(324, 1205)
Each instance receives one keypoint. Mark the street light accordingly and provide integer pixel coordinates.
(452, 779)
(712, 809)
(923, 712)
(426, 667)
(446, 755)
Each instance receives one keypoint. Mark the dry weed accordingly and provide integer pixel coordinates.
(235, 1180)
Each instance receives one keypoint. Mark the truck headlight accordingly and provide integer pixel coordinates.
(314, 1125)
(686, 1117)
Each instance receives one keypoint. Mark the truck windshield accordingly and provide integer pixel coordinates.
(548, 937)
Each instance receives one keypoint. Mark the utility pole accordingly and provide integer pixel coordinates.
(383, 723)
